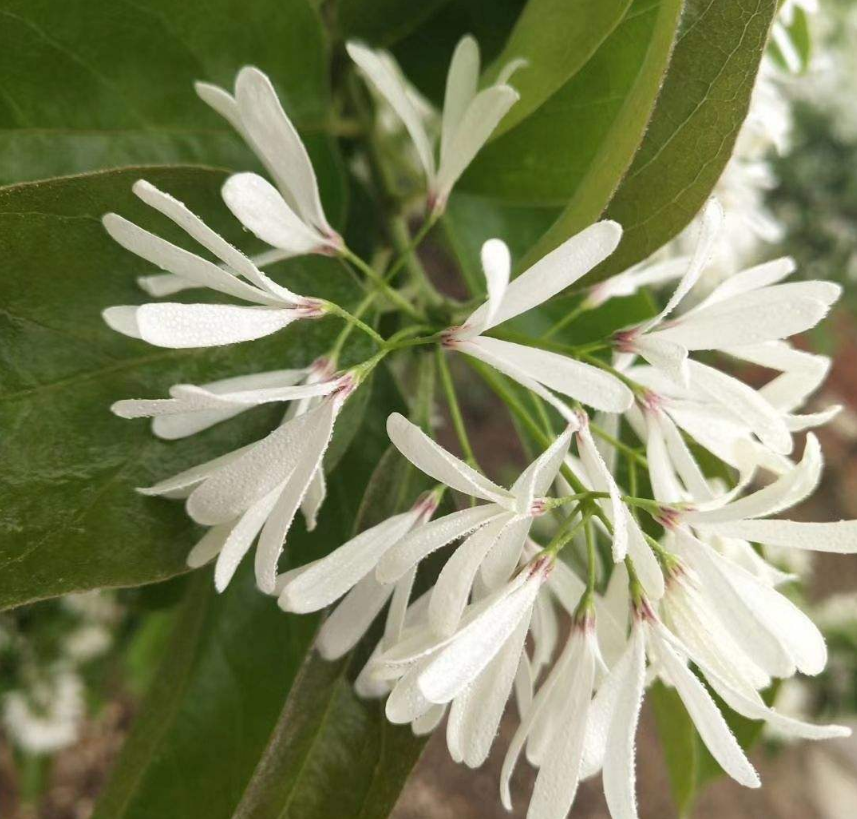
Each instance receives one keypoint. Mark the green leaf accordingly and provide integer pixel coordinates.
(692, 131)
(331, 753)
(574, 149)
(556, 38)
(679, 743)
(229, 668)
(70, 518)
(91, 84)
(210, 707)
(383, 22)
(425, 54)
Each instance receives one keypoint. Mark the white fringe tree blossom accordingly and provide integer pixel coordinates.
(618, 525)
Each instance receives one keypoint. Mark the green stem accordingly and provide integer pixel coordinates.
(569, 317)
(353, 321)
(617, 444)
(393, 295)
(454, 408)
(406, 248)
(590, 557)
(336, 310)
(565, 533)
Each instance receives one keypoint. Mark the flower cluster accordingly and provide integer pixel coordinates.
(663, 584)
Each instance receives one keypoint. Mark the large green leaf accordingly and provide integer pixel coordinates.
(693, 129)
(228, 670)
(90, 84)
(331, 753)
(556, 38)
(573, 151)
(425, 53)
(70, 518)
(679, 742)
(383, 22)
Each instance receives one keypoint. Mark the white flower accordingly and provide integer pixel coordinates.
(191, 409)
(497, 529)
(292, 218)
(349, 571)
(650, 273)
(541, 370)
(469, 115)
(747, 312)
(176, 325)
(555, 727)
(255, 491)
(46, 717)
(474, 668)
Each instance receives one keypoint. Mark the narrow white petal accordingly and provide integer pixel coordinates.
(570, 658)
(457, 664)
(175, 427)
(418, 641)
(783, 620)
(241, 539)
(441, 465)
(452, 590)
(683, 460)
(602, 480)
(709, 228)
(754, 707)
(744, 402)
(665, 485)
(235, 486)
(752, 318)
(665, 354)
(397, 614)
(274, 136)
(559, 776)
(619, 758)
(406, 702)
(461, 85)
(558, 270)
(181, 262)
(382, 75)
(427, 722)
(710, 425)
(314, 498)
(258, 205)
(489, 694)
(497, 266)
(644, 274)
(839, 536)
(537, 478)
(184, 326)
(351, 619)
(222, 102)
(706, 717)
(195, 475)
(335, 574)
(645, 562)
(164, 284)
(566, 585)
(423, 541)
(746, 281)
(576, 379)
(209, 546)
(195, 227)
(783, 493)
(273, 536)
(123, 319)
(800, 423)
(480, 119)
(502, 560)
